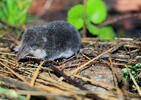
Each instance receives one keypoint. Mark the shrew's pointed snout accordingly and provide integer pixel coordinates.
(24, 50)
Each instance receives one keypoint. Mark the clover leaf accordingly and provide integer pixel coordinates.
(96, 11)
(75, 16)
(106, 32)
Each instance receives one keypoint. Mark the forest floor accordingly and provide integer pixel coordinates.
(94, 74)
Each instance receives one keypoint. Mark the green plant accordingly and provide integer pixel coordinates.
(14, 12)
(11, 93)
(95, 13)
(135, 71)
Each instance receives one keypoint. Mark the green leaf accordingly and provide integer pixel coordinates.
(26, 3)
(96, 11)
(106, 32)
(11, 93)
(125, 70)
(4, 10)
(92, 29)
(14, 11)
(129, 66)
(138, 65)
(75, 16)
(11, 4)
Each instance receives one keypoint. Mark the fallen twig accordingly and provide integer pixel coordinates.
(34, 78)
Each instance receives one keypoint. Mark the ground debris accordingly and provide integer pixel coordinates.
(87, 75)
